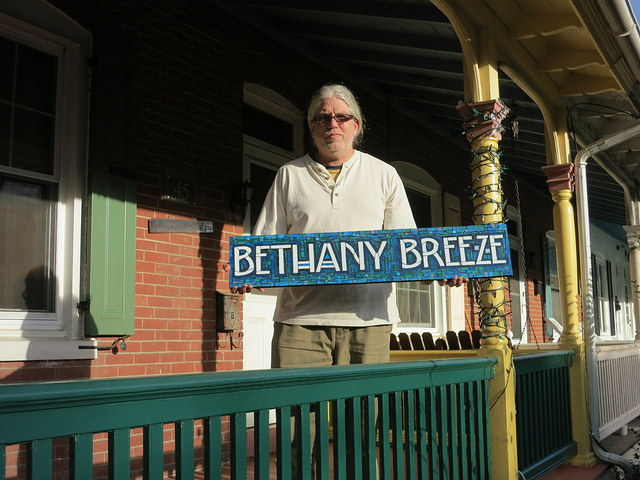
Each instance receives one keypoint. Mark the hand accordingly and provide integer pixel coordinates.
(244, 288)
(453, 282)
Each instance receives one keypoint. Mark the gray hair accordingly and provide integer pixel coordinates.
(344, 94)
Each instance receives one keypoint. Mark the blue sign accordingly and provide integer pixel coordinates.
(370, 256)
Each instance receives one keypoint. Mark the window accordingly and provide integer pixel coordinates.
(517, 282)
(272, 129)
(610, 283)
(28, 197)
(604, 307)
(42, 132)
(421, 306)
(552, 303)
(415, 299)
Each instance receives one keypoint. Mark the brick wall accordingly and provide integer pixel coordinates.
(193, 59)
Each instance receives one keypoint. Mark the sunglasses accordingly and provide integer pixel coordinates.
(326, 119)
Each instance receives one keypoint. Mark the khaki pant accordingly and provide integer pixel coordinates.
(315, 346)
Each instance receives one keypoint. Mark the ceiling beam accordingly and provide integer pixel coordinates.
(576, 84)
(424, 82)
(398, 11)
(560, 59)
(393, 59)
(368, 35)
(534, 24)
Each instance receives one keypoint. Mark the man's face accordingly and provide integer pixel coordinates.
(334, 139)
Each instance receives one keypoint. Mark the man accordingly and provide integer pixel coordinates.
(334, 188)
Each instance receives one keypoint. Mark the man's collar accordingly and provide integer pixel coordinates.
(351, 159)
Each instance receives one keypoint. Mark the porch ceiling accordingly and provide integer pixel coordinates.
(407, 52)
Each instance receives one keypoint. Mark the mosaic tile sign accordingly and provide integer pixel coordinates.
(370, 256)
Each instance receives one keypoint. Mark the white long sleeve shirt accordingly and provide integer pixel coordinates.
(368, 195)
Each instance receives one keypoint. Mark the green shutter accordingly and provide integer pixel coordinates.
(112, 191)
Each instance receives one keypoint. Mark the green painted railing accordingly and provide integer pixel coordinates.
(436, 414)
(543, 412)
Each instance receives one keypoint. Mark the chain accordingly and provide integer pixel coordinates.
(524, 274)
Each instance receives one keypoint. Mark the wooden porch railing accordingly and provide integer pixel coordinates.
(443, 404)
(618, 386)
(543, 412)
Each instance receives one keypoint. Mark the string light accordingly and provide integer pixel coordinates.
(487, 199)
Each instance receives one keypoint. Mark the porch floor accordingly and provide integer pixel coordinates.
(572, 472)
(624, 445)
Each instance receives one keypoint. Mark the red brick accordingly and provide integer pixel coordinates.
(144, 289)
(180, 346)
(194, 303)
(144, 312)
(152, 279)
(131, 370)
(190, 292)
(145, 245)
(156, 369)
(179, 281)
(190, 314)
(183, 261)
(172, 357)
(156, 257)
(193, 357)
(141, 301)
(169, 248)
(168, 335)
(159, 302)
(141, 358)
(192, 252)
(190, 335)
(190, 272)
(155, 346)
(167, 291)
(180, 239)
(168, 270)
(182, 368)
(167, 313)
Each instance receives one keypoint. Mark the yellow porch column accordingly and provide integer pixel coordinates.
(483, 132)
(561, 181)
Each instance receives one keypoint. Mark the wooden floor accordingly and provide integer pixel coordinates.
(615, 443)
(571, 472)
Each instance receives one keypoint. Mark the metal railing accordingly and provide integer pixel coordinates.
(543, 412)
(436, 414)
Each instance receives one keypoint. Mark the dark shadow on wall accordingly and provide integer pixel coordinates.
(222, 346)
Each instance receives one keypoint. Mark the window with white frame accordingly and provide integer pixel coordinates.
(611, 285)
(42, 136)
(273, 135)
(603, 296)
(421, 305)
(552, 302)
(517, 281)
